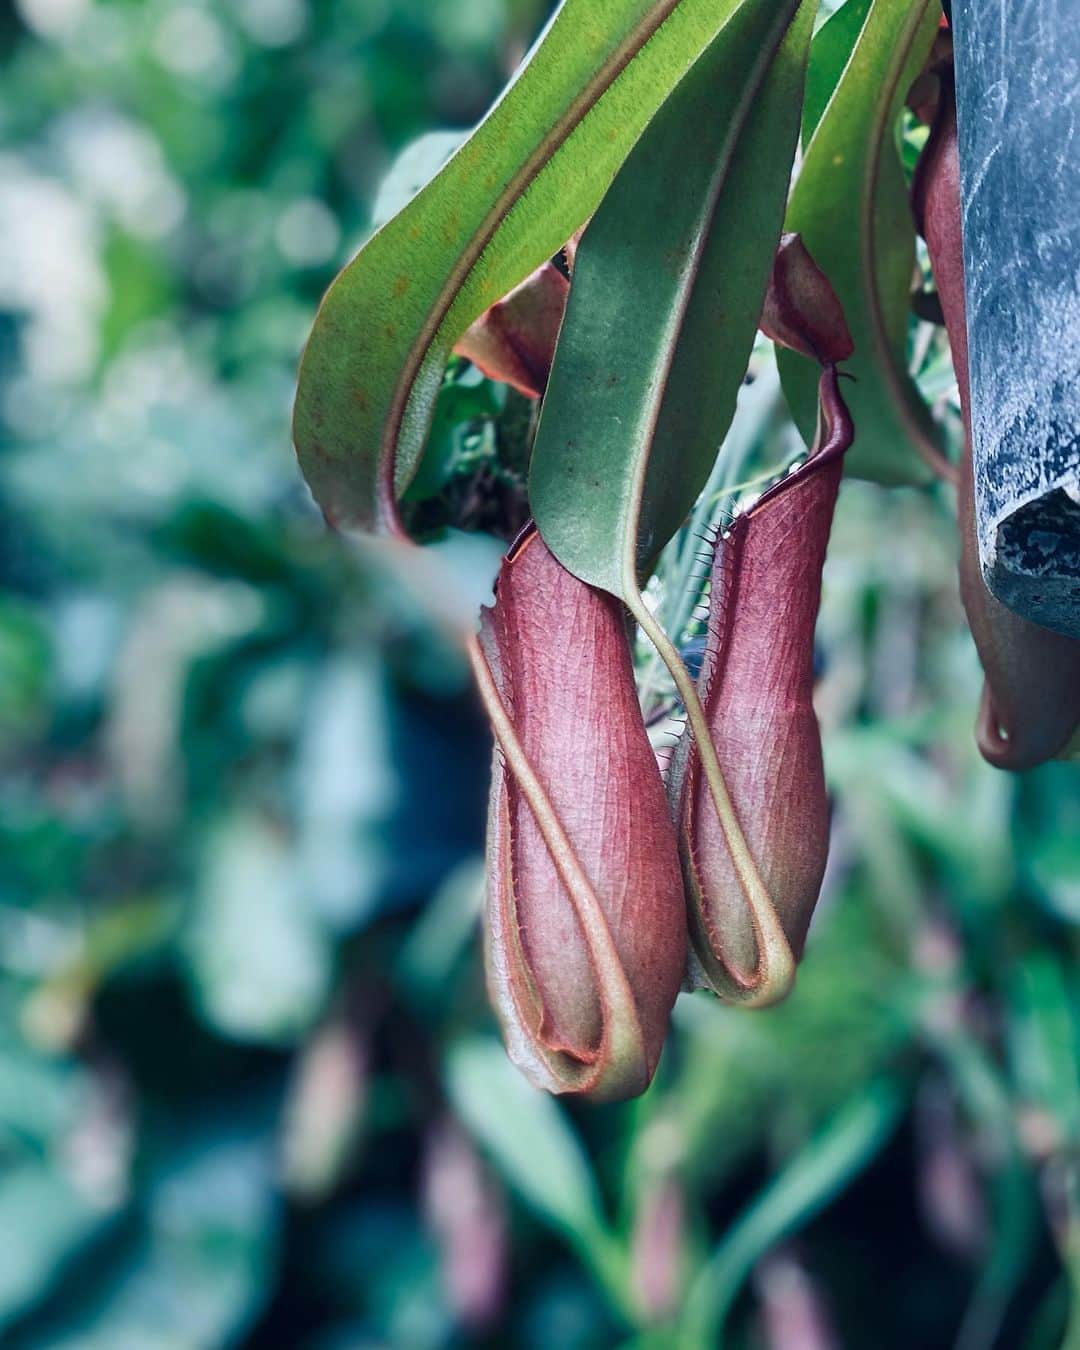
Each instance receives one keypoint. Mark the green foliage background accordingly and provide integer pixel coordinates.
(250, 1093)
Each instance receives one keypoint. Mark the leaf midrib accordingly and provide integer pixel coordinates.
(658, 386)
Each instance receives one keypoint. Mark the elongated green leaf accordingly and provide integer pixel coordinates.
(833, 45)
(668, 287)
(534, 1147)
(44, 1224)
(528, 1136)
(850, 206)
(799, 1191)
(531, 173)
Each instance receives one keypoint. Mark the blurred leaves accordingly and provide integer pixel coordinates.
(24, 669)
(45, 1222)
(242, 787)
(529, 1136)
(798, 1190)
(260, 963)
(191, 1265)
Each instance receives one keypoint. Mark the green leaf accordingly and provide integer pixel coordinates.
(1046, 1038)
(668, 287)
(532, 172)
(196, 1262)
(45, 1223)
(441, 935)
(800, 1190)
(850, 206)
(258, 957)
(24, 670)
(528, 1136)
(832, 48)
